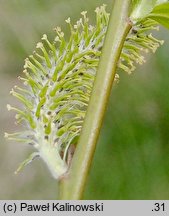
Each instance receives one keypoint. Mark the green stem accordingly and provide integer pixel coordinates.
(73, 186)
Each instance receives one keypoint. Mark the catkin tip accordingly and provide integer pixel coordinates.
(162, 42)
(11, 92)
(84, 13)
(8, 107)
(44, 37)
(39, 45)
(6, 135)
(67, 20)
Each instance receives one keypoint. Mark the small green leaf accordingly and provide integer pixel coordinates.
(161, 14)
(161, 2)
(141, 8)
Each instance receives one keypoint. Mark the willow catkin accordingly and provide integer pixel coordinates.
(57, 83)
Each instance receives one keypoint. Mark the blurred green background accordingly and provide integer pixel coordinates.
(132, 157)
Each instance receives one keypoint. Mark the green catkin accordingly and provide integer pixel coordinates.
(58, 83)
